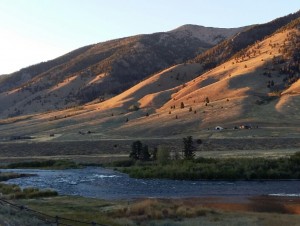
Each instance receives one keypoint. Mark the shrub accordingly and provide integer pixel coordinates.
(13, 191)
(207, 100)
(163, 155)
(295, 158)
(133, 108)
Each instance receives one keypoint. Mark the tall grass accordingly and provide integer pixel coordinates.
(10, 216)
(13, 191)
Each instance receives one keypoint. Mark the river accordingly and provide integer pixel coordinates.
(104, 183)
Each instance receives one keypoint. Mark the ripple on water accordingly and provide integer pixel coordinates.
(285, 195)
(105, 176)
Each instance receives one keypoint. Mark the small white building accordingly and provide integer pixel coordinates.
(219, 128)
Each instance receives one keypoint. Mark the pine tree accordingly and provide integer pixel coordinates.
(136, 149)
(145, 155)
(189, 148)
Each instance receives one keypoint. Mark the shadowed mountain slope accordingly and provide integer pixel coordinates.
(228, 48)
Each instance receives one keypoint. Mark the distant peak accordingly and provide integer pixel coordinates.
(187, 27)
(198, 27)
(208, 35)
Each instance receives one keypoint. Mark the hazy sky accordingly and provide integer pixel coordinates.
(39, 30)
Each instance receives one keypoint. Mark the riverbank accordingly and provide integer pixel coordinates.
(218, 202)
(59, 164)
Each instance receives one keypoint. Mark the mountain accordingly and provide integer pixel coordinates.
(258, 87)
(97, 72)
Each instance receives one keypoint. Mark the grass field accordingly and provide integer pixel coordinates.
(178, 212)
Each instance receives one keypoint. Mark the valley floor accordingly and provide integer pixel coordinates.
(261, 211)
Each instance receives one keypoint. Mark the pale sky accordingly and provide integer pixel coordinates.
(33, 31)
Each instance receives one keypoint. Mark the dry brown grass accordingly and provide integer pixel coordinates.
(156, 209)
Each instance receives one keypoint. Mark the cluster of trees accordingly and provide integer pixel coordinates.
(162, 154)
(141, 152)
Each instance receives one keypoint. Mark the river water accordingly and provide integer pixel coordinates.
(104, 183)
